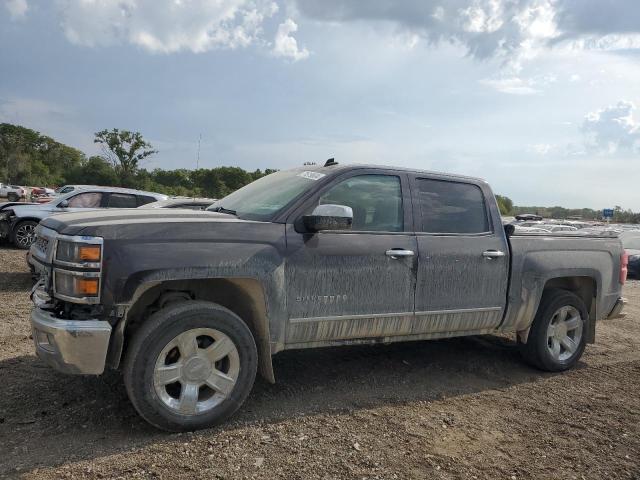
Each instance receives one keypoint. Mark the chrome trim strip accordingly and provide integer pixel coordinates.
(391, 315)
(348, 317)
(461, 310)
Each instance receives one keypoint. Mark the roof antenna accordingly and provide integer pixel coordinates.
(330, 162)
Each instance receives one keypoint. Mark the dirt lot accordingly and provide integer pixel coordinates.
(463, 408)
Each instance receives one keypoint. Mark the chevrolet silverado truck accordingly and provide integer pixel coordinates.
(192, 304)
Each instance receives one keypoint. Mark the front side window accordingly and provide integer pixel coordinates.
(122, 200)
(86, 200)
(376, 201)
(451, 207)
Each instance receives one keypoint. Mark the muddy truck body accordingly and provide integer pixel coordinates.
(190, 305)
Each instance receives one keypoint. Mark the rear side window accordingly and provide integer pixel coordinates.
(144, 199)
(122, 200)
(451, 207)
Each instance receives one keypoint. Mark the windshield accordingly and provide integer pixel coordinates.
(264, 198)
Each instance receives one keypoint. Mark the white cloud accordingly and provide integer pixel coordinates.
(540, 148)
(612, 129)
(17, 8)
(286, 45)
(519, 86)
(166, 26)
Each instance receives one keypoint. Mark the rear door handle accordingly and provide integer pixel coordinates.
(493, 254)
(399, 252)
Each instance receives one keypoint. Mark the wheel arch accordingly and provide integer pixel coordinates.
(584, 286)
(243, 296)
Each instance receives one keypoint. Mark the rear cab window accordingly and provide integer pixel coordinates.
(450, 207)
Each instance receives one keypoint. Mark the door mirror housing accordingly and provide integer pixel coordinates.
(63, 204)
(328, 217)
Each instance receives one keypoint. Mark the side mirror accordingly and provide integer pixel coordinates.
(63, 204)
(329, 217)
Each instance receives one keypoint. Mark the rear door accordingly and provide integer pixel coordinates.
(463, 256)
(347, 284)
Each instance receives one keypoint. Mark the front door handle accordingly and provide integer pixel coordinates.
(493, 254)
(399, 252)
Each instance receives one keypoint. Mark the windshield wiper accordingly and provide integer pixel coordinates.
(225, 210)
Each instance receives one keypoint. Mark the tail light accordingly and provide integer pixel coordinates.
(624, 267)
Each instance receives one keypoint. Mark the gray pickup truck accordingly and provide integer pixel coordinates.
(192, 304)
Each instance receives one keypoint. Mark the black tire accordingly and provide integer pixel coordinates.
(21, 237)
(12, 197)
(537, 349)
(156, 333)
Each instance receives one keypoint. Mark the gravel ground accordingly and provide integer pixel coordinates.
(460, 408)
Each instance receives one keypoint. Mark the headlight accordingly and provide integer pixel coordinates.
(82, 254)
(76, 285)
(5, 215)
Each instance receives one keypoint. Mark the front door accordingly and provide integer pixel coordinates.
(357, 283)
(463, 266)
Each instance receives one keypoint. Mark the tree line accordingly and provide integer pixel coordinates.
(30, 158)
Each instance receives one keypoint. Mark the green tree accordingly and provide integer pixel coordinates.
(125, 150)
(505, 205)
(95, 171)
(29, 158)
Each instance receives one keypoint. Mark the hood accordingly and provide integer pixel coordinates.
(6, 205)
(24, 208)
(118, 222)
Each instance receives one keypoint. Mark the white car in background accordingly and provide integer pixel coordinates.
(13, 193)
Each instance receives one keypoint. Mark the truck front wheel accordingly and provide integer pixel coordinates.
(556, 340)
(190, 366)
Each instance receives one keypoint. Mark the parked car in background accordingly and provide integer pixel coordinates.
(528, 217)
(18, 222)
(42, 194)
(182, 202)
(631, 243)
(13, 193)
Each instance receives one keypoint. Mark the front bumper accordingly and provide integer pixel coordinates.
(70, 346)
(616, 312)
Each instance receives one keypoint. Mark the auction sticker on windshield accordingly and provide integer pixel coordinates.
(311, 175)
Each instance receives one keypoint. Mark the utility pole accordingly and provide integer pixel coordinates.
(198, 155)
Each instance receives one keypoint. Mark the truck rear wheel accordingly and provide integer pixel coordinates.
(190, 366)
(556, 340)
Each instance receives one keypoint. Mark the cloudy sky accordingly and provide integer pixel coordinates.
(539, 97)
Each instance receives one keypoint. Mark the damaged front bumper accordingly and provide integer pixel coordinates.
(70, 346)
